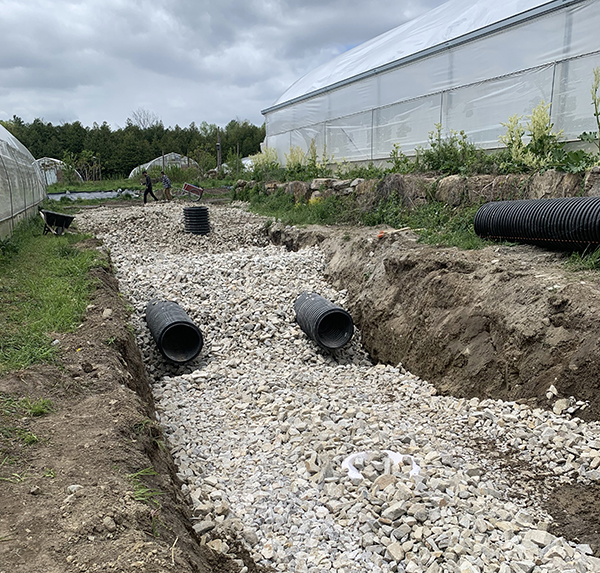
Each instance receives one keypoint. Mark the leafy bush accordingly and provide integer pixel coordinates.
(400, 163)
(370, 171)
(452, 155)
(265, 165)
(544, 149)
(304, 166)
(593, 136)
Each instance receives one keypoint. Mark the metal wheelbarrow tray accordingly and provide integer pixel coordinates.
(55, 223)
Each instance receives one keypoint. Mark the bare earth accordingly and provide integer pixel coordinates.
(503, 322)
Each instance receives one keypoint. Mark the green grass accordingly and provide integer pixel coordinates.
(44, 288)
(586, 261)
(282, 207)
(89, 186)
(436, 223)
(141, 492)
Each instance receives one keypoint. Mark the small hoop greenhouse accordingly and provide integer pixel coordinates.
(21, 184)
(164, 162)
(468, 66)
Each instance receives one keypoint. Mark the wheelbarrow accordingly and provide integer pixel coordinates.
(55, 223)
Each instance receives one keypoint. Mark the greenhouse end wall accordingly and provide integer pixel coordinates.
(472, 85)
(21, 185)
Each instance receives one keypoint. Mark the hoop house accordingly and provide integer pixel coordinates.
(52, 170)
(165, 161)
(466, 65)
(21, 184)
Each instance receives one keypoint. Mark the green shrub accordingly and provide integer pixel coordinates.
(400, 163)
(452, 154)
(265, 166)
(370, 171)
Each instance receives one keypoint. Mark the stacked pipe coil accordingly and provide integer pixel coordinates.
(196, 220)
(569, 223)
(329, 325)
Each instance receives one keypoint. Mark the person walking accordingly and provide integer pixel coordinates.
(166, 186)
(148, 183)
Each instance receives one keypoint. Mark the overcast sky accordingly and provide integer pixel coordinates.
(181, 61)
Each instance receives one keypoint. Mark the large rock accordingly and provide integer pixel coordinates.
(300, 190)
(591, 184)
(410, 190)
(554, 184)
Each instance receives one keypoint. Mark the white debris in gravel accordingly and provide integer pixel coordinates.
(326, 462)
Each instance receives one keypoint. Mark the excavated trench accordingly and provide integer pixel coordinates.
(509, 323)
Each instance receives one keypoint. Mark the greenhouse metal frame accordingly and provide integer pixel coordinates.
(21, 183)
(467, 66)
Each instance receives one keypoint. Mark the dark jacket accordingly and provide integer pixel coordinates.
(148, 183)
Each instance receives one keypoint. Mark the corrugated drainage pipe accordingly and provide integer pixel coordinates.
(195, 220)
(329, 325)
(176, 336)
(569, 223)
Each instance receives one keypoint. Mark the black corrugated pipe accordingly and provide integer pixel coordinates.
(329, 325)
(195, 220)
(568, 223)
(176, 336)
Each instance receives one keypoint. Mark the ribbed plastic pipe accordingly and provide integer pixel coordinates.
(195, 220)
(174, 332)
(329, 325)
(569, 223)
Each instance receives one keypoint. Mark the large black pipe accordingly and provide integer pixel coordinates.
(569, 223)
(176, 336)
(329, 325)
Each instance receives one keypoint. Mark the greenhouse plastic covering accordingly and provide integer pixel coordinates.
(21, 186)
(465, 65)
(52, 170)
(165, 161)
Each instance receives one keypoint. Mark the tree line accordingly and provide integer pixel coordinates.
(102, 152)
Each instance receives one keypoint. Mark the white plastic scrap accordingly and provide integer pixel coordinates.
(396, 457)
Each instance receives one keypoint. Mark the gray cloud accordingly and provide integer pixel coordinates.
(184, 60)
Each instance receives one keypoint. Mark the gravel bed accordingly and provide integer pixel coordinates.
(325, 462)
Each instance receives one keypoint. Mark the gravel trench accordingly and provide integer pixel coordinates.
(325, 462)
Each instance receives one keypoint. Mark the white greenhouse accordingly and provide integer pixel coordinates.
(52, 170)
(21, 183)
(466, 65)
(165, 161)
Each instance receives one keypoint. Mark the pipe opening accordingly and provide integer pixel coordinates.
(335, 329)
(181, 342)
(177, 337)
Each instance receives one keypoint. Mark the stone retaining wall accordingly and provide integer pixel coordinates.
(451, 189)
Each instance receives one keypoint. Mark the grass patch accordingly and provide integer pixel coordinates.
(141, 492)
(585, 261)
(10, 406)
(282, 207)
(14, 435)
(436, 223)
(44, 288)
(90, 186)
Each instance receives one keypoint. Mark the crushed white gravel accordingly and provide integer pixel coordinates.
(326, 462)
